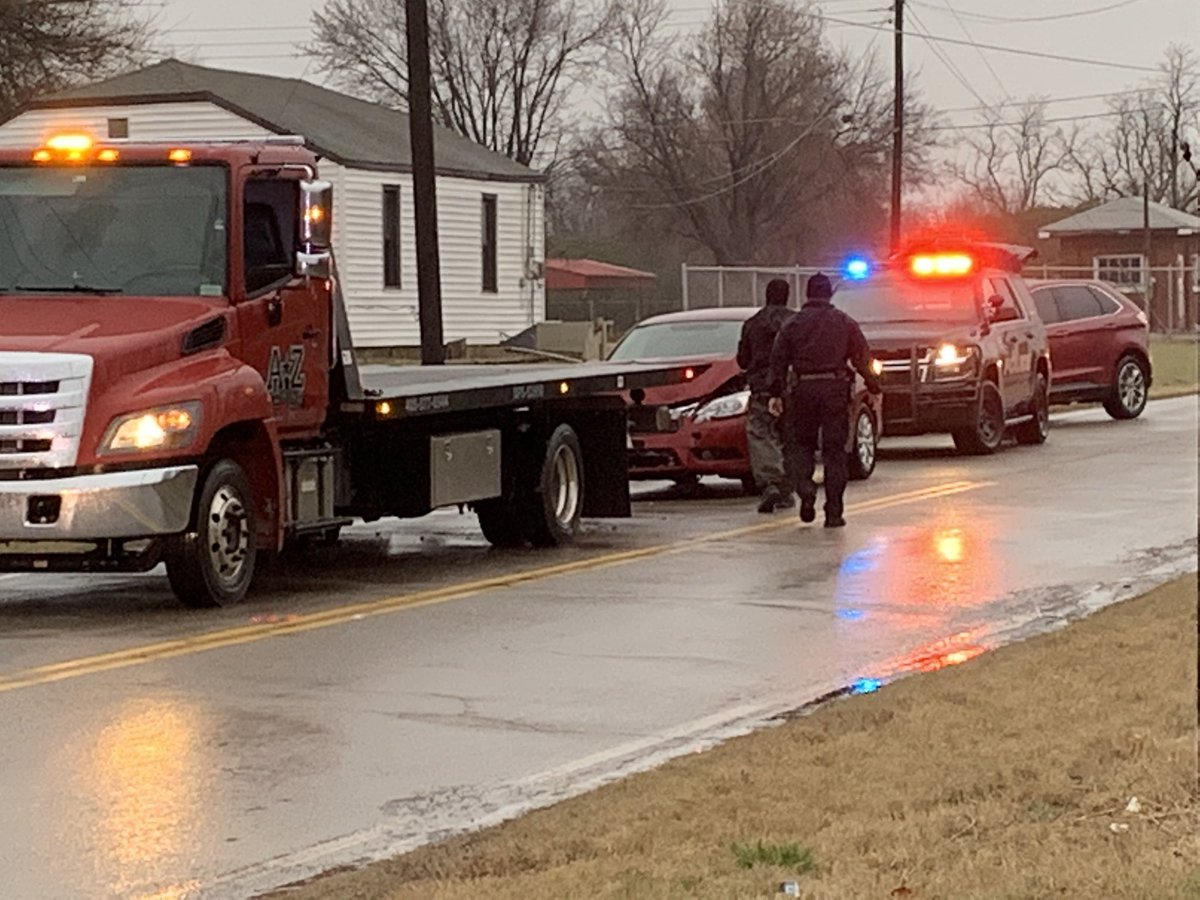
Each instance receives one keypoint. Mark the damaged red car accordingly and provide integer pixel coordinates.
(687, 431)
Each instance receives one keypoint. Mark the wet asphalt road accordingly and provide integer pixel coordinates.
(413, 681)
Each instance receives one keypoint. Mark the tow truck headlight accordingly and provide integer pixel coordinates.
(952, 361)
(724, 407)
(165, 428)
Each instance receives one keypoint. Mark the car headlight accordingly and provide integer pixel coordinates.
(877, 366)
(724, 407)
(952, 361)
(165, 428)
(678, 412)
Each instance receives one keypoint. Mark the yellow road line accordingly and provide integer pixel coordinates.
(246, 634)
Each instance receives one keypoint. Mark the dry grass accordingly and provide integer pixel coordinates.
(1000, 778)
(1175, 364)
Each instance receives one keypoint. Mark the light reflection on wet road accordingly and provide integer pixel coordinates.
(237, 768)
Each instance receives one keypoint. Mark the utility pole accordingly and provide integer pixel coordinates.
(420, 124)
(897, 122)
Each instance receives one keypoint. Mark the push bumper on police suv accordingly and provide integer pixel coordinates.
(86, 521)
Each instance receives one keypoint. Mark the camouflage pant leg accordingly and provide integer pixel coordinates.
(766, 445)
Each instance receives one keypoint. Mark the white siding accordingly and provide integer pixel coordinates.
(147, 122)
(379, 317)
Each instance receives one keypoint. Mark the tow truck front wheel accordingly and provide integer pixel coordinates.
(985, 435)
(213, 563)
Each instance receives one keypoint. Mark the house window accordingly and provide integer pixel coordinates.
(391, 235)
(489, 243)
(1126, 272)
(118, 128)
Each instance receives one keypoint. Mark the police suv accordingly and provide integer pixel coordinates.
(957, 343)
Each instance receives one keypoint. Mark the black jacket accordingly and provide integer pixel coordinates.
(758, 337)
(819, 339)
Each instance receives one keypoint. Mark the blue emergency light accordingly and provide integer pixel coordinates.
(856, 268)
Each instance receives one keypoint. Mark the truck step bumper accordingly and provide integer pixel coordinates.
(112, 505)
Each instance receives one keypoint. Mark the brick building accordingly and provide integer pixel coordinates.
(1109, 242)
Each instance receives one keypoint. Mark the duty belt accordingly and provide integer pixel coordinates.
(821, 376)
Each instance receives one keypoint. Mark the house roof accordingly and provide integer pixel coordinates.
(579, 274)
(1124, 214)
(347, 130)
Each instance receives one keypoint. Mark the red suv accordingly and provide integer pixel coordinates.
(1099, 345)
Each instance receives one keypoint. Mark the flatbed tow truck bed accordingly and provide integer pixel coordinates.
(463, 386)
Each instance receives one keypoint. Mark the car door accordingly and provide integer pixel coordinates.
(283, 319)
(1015, 334)
(1078, 335)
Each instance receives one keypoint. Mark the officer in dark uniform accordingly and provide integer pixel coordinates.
(816, 344)
(762, 429)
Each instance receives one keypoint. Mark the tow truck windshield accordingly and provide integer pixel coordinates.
(680, 340)
(900, 299)
(147, 230)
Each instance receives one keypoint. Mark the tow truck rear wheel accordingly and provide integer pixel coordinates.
(986, 434)
(212, 564)
(500, 522)
(556, 505)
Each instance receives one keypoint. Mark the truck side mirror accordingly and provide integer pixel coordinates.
(315, 254)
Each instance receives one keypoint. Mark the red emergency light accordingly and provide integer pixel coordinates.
(941, 265)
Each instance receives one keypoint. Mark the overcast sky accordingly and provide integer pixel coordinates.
(261, 36)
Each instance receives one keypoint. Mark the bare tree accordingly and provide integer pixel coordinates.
(502, 69)
(740, 137)
(47, 45)
(1141, 147)
(1010, 162)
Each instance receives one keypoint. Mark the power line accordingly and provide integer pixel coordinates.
(983, 56)
(999, 48)
(984, 17)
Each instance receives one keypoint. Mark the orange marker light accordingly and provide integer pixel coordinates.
(108, 155)
(70, 143)
(943, 264)
(42, 156)
(564, 388)
(180, 155)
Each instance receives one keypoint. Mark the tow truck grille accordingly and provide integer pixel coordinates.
(43, 397)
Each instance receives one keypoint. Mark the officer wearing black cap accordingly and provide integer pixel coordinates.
(817, 344)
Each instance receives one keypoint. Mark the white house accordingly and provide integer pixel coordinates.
(490, 209)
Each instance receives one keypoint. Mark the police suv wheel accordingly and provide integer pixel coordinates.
(212, 564)
(864, 445)
(1129, 391)
(1037, 429)
(985, 435)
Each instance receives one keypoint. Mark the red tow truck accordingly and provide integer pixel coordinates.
(178, 382)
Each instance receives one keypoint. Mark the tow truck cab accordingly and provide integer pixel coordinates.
(959, 344)
(177, 381)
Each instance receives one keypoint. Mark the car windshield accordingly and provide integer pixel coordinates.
(678, 340)
(151, 230)
(899, 299)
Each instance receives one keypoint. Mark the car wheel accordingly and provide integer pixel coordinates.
(1129, 393)
(864, 446)
(986, 434)
(212, 564)
(1037, 429)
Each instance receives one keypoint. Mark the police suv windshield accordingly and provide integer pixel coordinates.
(679, 340)
(896, 298)
(150, 230)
